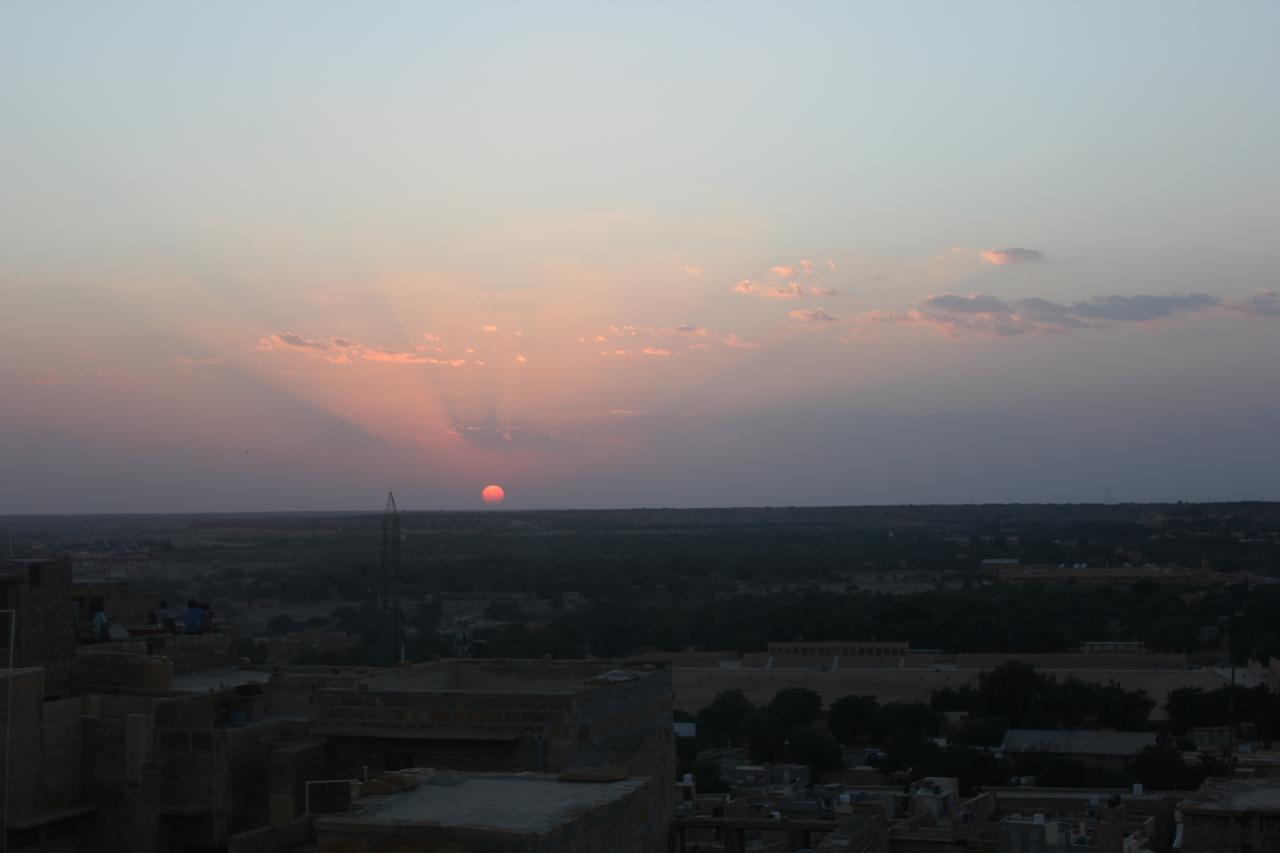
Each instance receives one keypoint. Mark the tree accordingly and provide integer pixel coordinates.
(280, 625)
(1014, 689)
(850, 717)
(722, 719)
(816, 749)
(904, 722)
(973, 767)
(796, 706)
(765, 734)
(1162, 768)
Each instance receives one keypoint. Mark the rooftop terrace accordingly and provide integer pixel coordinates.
(534, 803)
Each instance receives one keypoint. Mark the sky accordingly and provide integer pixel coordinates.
(289, 256)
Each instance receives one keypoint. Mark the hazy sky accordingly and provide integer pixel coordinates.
(288, 255)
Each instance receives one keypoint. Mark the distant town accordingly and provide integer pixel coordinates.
(1008, 678)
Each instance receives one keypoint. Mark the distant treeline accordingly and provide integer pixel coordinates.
(1027, 619)
(902, 736)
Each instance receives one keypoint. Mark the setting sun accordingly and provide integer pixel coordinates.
(493, 494)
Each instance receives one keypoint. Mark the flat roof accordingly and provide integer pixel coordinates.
(534, 803)
(1235, 795)
(1037, 793)
(204, 680)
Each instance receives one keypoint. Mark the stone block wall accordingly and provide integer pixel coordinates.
(24, 718)
(1228, 832)
(629, 724)
(196, 652)
(45, 630)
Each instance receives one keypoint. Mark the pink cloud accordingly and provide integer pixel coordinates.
(807, 266)
(692, 270)
(814, 315)
(656, 351)
(47, 376)
(284, 340)
(789, 291)
(1012, 255)
(388, 357)
(783, 271)
(339, 350)
(186, 362)
(732, 340)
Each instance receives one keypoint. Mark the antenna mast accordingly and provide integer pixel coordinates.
(392, 629)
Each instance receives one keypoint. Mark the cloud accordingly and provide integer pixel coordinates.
(1141, 308)
(814, 315)
(656, 351)
(732, 340)
(1012, 255)
(390, 357)
(47, 376)
(976, 303)
(488, 327)
(187, 364)
(512, 438)
(282, 340)
(784, 271)
(631, 331)
(519, 359)
(790, 290)
(984, 315)
(807, 266)
(345, 351)
(692, 270)
(625, 413)
(1264, 303)
(832, 265)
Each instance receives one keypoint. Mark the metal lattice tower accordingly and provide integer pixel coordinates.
(390, 591)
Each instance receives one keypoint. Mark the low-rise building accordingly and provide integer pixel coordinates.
(1231, 816)
(1109, 833)
(1106, 747)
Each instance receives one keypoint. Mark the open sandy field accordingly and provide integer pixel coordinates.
(696, 687)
